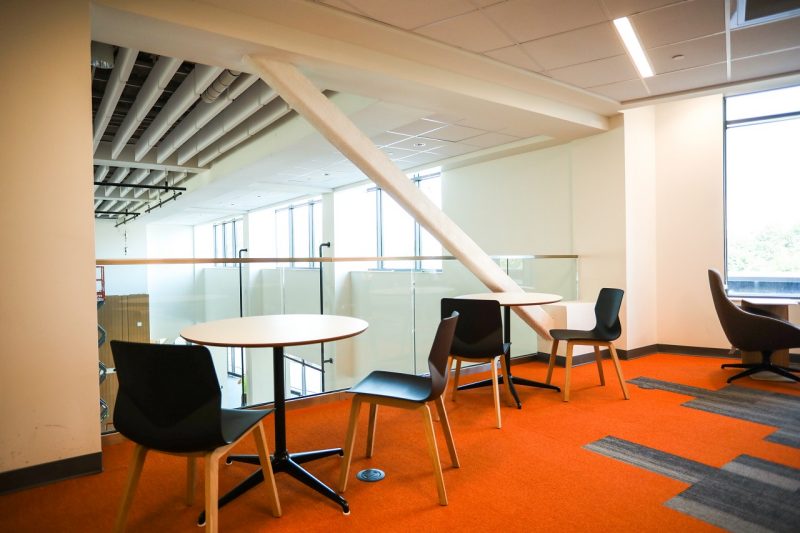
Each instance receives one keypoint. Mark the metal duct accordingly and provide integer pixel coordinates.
(126, 57)
(219, 85)
(200, 116)
(195, 83)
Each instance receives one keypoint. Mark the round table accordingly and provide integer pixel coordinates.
(507, 300)
(277, 332)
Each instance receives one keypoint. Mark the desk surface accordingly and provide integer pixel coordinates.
(770, 301)
(515, 298)
(274, 330)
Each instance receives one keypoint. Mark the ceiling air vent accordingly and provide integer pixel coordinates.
(751, 12)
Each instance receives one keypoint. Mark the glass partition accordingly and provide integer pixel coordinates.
(152, 300)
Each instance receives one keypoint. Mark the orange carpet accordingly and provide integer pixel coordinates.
(533, 474)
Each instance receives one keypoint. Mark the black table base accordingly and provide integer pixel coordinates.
(512, 380)
(282, 460)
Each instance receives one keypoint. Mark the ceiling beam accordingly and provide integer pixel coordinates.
(102, 156)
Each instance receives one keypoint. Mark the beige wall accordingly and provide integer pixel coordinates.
(690, 225)
(48, 369)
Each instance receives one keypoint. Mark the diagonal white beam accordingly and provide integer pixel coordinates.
(340, 131)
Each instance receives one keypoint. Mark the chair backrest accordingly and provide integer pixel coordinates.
(480, 328)
(440, 352)
(749, 331)
(606, 313)
(169, 397)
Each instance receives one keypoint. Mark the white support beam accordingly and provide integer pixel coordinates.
(126, 158)
(340, 131)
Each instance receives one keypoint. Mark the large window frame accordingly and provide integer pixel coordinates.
(419, 233)
(227, 239)
(760, 232)
(303, 237)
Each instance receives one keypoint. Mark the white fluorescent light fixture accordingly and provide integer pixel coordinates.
(633, 46)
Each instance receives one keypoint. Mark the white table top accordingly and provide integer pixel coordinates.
(274, 330)
(515, 298)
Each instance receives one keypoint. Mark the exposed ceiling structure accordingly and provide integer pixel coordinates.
(179, 127)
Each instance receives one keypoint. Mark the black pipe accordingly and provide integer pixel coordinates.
(322, 312)
(139, 186)
(241, 314)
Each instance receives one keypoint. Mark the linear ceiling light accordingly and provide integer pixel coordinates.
(633, 46)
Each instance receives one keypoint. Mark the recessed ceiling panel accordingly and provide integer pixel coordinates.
(688, 54)
(679, 22)
(754, 40)
(410, 14)
(526, 20)
(577, 46)
(682, 80)
(600, 72)
(471, 31)
(516, 57)
(623, 90)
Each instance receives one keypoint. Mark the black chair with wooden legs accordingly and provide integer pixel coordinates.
(169, 400)
(407, 391)
(606, 330)
(479, 338)
(753, 332)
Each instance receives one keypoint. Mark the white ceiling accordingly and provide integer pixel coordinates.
(429, 81)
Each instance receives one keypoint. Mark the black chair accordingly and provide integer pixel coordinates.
(169, 401)
(478, 338)
(753, 332)
(407, 392)
(606, 330)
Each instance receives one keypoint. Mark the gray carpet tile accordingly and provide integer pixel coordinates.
(781, 476)
(769, 408)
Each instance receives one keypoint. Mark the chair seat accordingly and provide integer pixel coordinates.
(236, 422)
(576, 335)
(395, 385)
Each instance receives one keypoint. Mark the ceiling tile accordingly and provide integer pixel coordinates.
(765, 65)
(410, 14)
(682, 80)
(387, 138)
(418, 127)
(697, 52)
(487, 140)
(600, 72)
(451, 149)
(764, 38)
(526, 20)
(417, 144)
(622, 91)
(577, 46)
(471, 31)
(516, 57)
(343, 5)
(679, 22)
(454, 133)
(626, 8)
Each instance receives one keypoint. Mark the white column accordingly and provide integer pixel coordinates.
(339, 130)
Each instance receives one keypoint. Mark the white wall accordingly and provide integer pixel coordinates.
(690, 226)
(48, 370)
(128, 241)
(641, 324)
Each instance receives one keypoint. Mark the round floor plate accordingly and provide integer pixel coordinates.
(371, 474)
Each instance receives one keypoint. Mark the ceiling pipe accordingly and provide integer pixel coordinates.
(251, 101)
(152, 88)
(189, 91)
(200, 116)
(219, 85)
(254, 124)
(126, 58)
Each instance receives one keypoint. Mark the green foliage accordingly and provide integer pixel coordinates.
(772, 251)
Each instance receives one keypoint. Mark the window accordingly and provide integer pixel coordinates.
(304, 378)
(398, 234)
(236, 365)
(298, 230)
(762, 188)
(228, 237)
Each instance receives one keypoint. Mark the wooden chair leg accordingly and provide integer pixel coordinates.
(373, 419)
(618, 367)
(448, 435)
(552, 361)
(212, 491)
(349, 441)
(434, 452)
(567, 371)
(455, 380)
(496, 393)
(266, 467)
(191, 478)
(134, 472)
(506, 387)
(599, 359)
